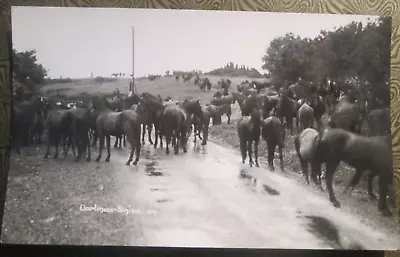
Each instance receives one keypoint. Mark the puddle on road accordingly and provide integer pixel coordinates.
(325, 229)
(245, 175)
(158, 189)
(151, 169)
(270, 190)
(199, 149)
(265, 188)
(163, 200)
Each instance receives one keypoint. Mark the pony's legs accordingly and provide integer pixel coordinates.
(353, 182)
(149, 129)
(87, 146)
(330, 171)
(316, 171)
(370, 178)
(176, 140)
(256, 152)
(271, 153)
(384, 180)
(250, 150)
(101, 147)
(108, 139)
(280, 148)
(143, 133)
(168, 142)
(50, 140)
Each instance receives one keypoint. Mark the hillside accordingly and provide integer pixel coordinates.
(235, 70)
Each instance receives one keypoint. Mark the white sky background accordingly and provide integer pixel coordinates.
(73, 42)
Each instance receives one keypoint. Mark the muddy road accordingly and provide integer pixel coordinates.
(204, 198)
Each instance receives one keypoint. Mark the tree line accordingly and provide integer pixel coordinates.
(357, 53)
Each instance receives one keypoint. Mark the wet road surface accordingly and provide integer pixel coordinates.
(203, 198)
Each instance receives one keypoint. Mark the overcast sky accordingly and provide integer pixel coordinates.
(73, 42)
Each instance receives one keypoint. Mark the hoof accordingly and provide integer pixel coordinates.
(97, 159)
(108, 160)
(386, 213)
(257, 165)
(128, 163)
(204, 143)
(76, 160)
(135, 163)
(373, 197)
(336, 204)
(45, 157)
(55, 157)
(151, 142)
(88, 159)
(143, 143)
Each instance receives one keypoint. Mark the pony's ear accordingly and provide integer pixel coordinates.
(198, 101)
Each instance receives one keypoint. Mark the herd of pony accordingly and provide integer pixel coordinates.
(354, 133)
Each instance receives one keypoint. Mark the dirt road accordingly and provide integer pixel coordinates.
(204, 198)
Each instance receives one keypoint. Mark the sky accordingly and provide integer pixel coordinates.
(74, 42)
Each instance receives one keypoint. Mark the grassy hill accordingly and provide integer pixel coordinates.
(164, 86)
(233, 70)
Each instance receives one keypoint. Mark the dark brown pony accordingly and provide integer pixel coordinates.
(24, 119)
(79, 119)
(205, 84)
(225, 85)
(195, 127)
(210, 111)
(119, 104)
(239, 98)
(221, 101)
(110, 123)
(225, 109)
(269, 104)
(155, 108)
(58, 124)
(378, 121)
(249, 130)
(175, 128)
(362, 153)
(196, 80)
(273, 132)
(193, 107)
(250, 104)
(287, 109)
(217, 94)
(318, 105)
(347, 115)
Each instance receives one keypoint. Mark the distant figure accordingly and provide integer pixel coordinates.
(132, 88)
(116, 94)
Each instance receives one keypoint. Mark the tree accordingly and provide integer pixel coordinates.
(26, 68)
(355, 52)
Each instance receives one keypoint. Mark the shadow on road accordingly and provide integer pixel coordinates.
(326, 230)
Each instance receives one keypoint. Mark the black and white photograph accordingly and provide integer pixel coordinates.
(184, 128)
